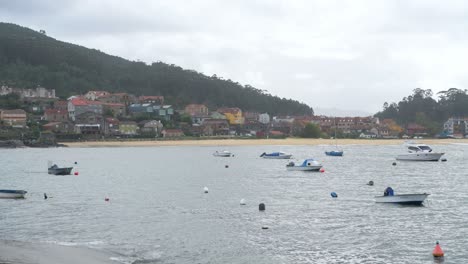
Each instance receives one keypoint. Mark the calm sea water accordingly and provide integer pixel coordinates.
(158, 212)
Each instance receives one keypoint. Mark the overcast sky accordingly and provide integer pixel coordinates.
(351, 55)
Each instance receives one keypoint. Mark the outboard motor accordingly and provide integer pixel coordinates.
(263, 154)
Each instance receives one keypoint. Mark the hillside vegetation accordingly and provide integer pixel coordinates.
(29, 58)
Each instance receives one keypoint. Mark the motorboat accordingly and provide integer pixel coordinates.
(276, 155)
(223, 153)
(55, 170)
(307, 165)
(390, 197)
(334, 153)
(419, 152)
(12, 194)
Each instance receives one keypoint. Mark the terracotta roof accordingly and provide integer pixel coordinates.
(82, 102)
(151, 97)
(13, 112)
(113, 104)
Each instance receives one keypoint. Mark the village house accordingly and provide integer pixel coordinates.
(94, 95)
(456, 126)
(157, 111)
(118, 98)
(77, 106)
(151, 127)
(89, 123)
(59, 127)
(413, 129)
(117, 109)
(128, 128)
(55, 115)
(217, 115)
(172, 133)
(111, 126)
(233, 115)
(61, 105)
(14, 118)
(151, 99)
(251, 116)
(196, 110)
(214, 127)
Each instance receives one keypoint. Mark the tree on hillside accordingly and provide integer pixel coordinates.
(311, 130)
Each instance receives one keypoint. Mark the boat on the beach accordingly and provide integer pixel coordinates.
(419, 152)
(390, 197)
(223, 153)
(12, 194)
(276, 155)
(307, 165)
(55, 170)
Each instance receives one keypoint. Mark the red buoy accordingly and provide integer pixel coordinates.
(322, 170)
(437, 252)
(106, 199)
(76, 173)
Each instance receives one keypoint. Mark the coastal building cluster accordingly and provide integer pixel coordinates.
(101, 114)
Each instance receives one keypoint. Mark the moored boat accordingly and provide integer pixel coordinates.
(307, 165)
(223, 153)
(390, 197)
(276, 155)
(334, 153)
(419, 152)
(12, 194)
(55, 170)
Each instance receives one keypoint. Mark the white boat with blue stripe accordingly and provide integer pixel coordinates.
(307, 165)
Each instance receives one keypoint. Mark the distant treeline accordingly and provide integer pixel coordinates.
(423, 109)
(29, 58)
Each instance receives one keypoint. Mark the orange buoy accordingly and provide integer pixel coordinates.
(322, 170)
(437, 252)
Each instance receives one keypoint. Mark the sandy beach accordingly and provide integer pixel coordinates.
(253, 142)
(29, 253)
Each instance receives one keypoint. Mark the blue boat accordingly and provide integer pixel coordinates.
(335, 153)
(276, 155)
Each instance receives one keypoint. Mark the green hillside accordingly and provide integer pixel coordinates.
(29, 58)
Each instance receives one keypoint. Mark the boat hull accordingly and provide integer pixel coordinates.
(334, 153)
(60, 171)
(303, 168)
(225, 155)
(277, 157)
(12, 194)
(413, 199)
(429, 156)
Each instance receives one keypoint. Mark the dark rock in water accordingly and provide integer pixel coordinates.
(443, 160)
(394, 163)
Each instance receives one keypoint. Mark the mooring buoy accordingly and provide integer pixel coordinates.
(334, 195)
(261, 207)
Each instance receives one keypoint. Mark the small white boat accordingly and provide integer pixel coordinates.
(223, 153)
(307, 165)
(276, 155)
(12, 194)
(390, 197)
(419, 152)
(415, 198)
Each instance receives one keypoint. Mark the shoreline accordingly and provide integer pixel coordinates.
(45, 253)
(255, 142)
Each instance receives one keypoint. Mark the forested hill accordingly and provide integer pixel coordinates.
(29, 58)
